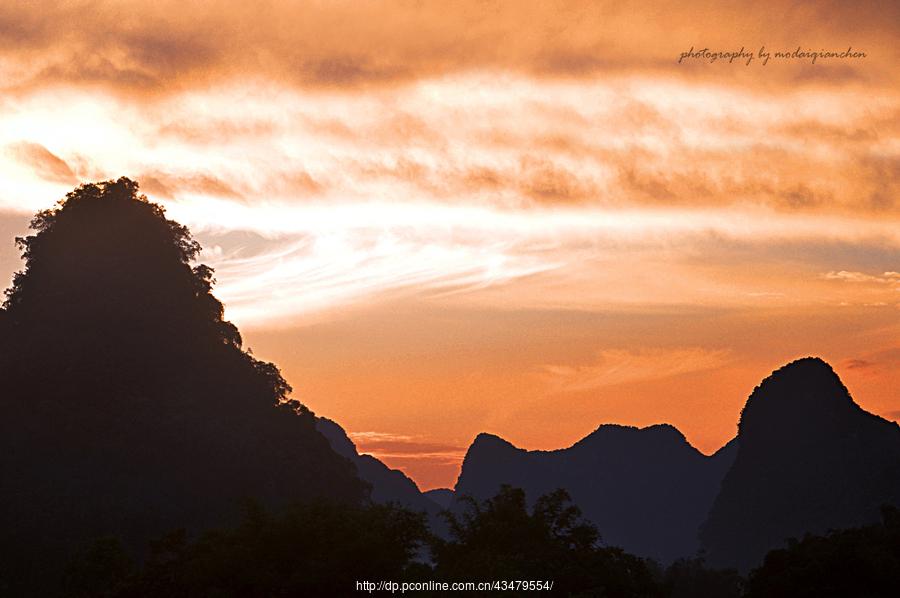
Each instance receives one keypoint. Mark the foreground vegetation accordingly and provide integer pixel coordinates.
(322, 549)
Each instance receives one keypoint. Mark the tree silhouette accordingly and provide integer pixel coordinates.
(687, 578)
(314, 549)
(853, 562)
(501, 540)
(127, 405)
(102, 570)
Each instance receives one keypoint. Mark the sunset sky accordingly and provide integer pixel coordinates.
(525, 218)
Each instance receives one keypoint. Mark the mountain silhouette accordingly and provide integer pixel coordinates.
(646, 489)
(128, 407)
(442, 496)
(809, 459)
(387, 485)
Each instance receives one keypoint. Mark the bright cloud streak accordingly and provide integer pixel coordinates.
(402, 191)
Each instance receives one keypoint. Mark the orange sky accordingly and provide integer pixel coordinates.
(518, 217)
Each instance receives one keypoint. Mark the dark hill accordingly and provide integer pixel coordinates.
(647, 489)
(127, 405)
(810, 460)
(388, 485)
(442, 496)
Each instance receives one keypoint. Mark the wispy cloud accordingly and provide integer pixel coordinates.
(45, 164)
(875, 361)
(398, 191)
(325, 268)
(619, 366)
(892, 278)
(858, 364)
(385, 445)
(165, 45)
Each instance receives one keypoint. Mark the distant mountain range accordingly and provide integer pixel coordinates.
(806, 459)
(647, 489)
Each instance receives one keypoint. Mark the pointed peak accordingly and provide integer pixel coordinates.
(805, 365)
(667, 429)
(613, 428)
(669, 433)
(808, 372)
(800, 390)
(488, 445)
(488, 440)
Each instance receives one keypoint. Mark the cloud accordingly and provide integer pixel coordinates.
(45, 164)
(305, 257)
(366, 437)
(516, 143)
(618, 366)
(545, 181)
(864, 289)
(398, 446)
(858, 364)
(890, 278)
(168, 186)
(165, 45)
(209, 129)
(875, 361)
(421, 157)
(326, 267)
